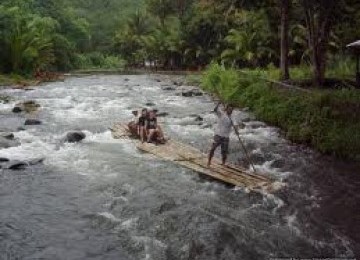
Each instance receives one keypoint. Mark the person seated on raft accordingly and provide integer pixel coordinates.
(141, 124)
(153, 129)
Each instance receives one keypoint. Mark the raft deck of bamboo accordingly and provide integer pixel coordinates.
(192, 158)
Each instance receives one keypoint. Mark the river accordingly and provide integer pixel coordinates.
(103, 199)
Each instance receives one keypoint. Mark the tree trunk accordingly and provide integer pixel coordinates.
(319, 62)
(319, 23)
(284, 61)
(358, 69)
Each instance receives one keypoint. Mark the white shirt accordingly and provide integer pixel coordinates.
(223, 126)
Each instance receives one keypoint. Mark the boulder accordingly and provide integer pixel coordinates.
(191, 93)
(33, 122)
(177, 83)
(169, 88)
(17, 165)
(187, 93)
(199, 119)
(2, 160)
(126, 79)
(150, 104)
(29, 106)
(197, 93)
(162, 114)
(245, 119)
(74, 136)
(135, 112)
(17, 109)
(6, 135)
(5, 99)
(6, 143)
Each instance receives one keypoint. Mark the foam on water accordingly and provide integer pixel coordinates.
(134, 185)
(31, 148)
(109, 216)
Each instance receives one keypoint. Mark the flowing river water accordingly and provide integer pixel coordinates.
(103, 199)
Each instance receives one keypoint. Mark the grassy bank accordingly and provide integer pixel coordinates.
(328, 120)
(16, 80)
(8, 80)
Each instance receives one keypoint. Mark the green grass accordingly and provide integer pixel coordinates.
(11, 79)
(338, 67)
(328, 120)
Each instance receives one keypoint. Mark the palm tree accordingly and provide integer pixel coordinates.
(242, 47)
(249, 43)
(30, 40)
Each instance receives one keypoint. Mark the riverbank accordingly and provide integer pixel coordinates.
(328, 120)
(23, 82)
(18, 81)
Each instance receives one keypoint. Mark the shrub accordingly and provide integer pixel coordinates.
(97, 60)
(326, 119)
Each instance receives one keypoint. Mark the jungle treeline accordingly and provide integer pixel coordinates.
(63, 35)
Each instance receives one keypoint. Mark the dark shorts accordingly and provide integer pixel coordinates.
(223, 142)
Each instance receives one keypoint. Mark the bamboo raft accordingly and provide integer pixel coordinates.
(192, 158)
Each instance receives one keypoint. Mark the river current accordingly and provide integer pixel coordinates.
(103, 199)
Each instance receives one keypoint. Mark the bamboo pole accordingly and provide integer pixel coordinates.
(242, 144)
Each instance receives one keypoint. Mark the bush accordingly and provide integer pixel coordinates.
(327, 120)
(113, 62)
(97, 60)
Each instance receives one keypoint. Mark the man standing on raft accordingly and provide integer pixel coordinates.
(222, 132)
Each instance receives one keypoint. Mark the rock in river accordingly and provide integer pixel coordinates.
(168, 88)
(191, 93)
(199, 119)
(29, 106)
(162, 114)
(16, 165)
(17, 109)
(6, 143)
(6, 135)
(33, 122)
(150, 104)
(74, 136)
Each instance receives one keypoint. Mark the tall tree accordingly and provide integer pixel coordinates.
(284, 31)
(161, 9)
(320, 18)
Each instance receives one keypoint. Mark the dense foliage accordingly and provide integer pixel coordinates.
(192, 34)
(58, 35)
(182, 34)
